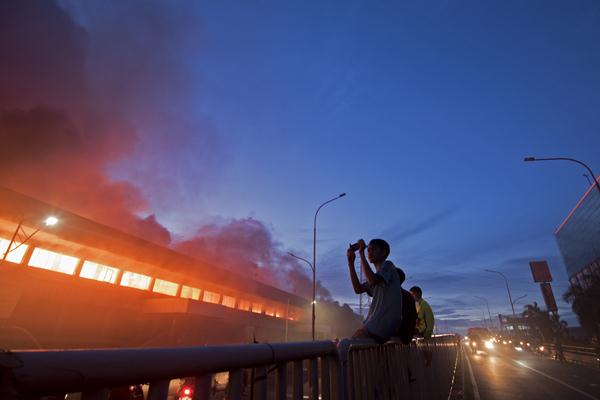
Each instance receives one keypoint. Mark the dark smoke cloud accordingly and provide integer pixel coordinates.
(247, 246)
(57, 138)
(140, 59)
(95, 117)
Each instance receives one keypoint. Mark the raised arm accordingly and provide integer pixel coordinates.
(372, 278)
(356, 284)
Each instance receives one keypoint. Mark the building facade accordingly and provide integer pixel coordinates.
(83, 284)
(578, 238)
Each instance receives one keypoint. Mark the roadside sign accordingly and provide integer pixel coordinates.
(540, 271)
(548, 297)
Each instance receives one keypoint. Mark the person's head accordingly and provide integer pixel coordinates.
(416, 292)
(378, 250)
(401, 275)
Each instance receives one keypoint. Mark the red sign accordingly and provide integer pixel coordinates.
(540, 271)
(548, 297)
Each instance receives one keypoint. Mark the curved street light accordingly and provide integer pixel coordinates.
(528, 159)
(22, 237)
(519, 298)
(507, 289)
(487, 305)
(485, 323)
(314, 301)
(314, 263)
(302, 259)
(587, 177)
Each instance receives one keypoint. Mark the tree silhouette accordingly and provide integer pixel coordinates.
(542, 324)
(585, 302)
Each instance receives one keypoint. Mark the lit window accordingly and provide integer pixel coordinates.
(188, 292)
(244, 305)
(211, 297)
(137, 281)
(99, 272)
(165, 287)
(16, 254)
(228, 301)
(53, 261)
(257, 308)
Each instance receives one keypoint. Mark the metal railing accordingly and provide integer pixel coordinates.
(350, 369)
(577, 354)
(425, 369)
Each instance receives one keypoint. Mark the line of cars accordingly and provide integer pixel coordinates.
(481, 341)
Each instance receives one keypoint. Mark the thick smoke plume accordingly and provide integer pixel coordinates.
(57, 137)
(91, 120)
(248, 245)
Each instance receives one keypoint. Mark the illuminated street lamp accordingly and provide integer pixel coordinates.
(22, 237)
(314, 263)
(51, 221)
(528, 159)
(507, 289)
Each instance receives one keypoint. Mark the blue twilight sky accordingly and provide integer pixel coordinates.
(422, 111)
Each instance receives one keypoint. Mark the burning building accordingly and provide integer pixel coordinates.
(83, 284)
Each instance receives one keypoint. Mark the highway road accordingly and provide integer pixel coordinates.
(509, 374)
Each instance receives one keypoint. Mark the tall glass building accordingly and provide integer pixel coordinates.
(578, 238)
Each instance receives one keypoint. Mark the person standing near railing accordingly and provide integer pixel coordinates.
(385, 312)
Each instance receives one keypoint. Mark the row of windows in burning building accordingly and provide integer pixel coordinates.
(63, 263)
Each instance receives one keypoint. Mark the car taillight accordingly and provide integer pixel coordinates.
(187, 391)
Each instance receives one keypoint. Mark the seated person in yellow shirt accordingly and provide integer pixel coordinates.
(425, 319)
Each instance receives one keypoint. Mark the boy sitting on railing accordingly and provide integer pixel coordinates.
(385, 313)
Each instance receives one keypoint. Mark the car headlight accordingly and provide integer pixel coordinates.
(474, 344)
(488, 344)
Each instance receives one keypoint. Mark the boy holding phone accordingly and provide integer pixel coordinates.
(383, 284)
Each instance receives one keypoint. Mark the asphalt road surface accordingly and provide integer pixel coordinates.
(509, 374)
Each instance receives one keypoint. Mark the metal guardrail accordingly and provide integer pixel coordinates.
(348, 370)
(578, 354)
(425, 369)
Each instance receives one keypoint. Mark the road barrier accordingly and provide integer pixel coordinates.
(348, 370)
(578, 354)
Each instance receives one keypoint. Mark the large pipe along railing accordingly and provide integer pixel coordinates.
(348, 370)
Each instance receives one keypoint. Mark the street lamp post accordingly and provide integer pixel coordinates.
(528, 159)
(519, 298)
(22, 237)
(512, 306)
(488, 307)
(312, 268)
(314, 263)
(587, 177)
(484, 319)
